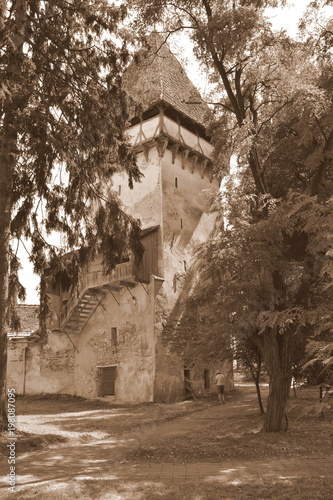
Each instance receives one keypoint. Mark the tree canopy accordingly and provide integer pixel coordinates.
(270, 260)
(62, 119)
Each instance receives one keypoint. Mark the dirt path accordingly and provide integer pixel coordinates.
(101, 458)
(105, 459)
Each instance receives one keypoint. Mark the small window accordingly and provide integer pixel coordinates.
(113, 337)
(119, 190)
(185, 266)
(206, 379)
(176, 182)
(181, 223)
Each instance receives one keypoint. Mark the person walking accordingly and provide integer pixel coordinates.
(220, 381)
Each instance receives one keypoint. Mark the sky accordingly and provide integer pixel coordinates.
(286, 18)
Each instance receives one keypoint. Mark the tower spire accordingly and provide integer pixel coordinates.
(158, 77)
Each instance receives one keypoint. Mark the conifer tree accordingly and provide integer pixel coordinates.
(62, 119)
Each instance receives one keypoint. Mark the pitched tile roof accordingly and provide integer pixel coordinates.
(158, 76)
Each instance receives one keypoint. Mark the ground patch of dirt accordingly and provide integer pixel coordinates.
(234, 431)
(48, 420)
(32, 442)
(90, 448)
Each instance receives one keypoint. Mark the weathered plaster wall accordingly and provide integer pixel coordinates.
(186, 221)
(35, 368)
(16, 353)
(186, 202)
(144, 201)
(134, 353)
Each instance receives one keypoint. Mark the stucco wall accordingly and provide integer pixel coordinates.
(35, 368)
(16, 365)
(134, 353)
(187, 197)
(144, 201)
(186, 221)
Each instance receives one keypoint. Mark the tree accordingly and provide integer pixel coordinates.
(274, 116)
(249, 357)
(62, 117)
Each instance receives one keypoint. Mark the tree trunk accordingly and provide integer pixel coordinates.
(8, 155)
(276, 416)
(261, 406)
(6, 183)
(256, 372)
(277, 351)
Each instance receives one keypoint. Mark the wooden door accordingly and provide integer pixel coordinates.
(108, 382)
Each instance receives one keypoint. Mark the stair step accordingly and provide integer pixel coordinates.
(82, 311)
(89, 301)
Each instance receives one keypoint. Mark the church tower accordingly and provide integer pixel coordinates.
(173, 152)
(114, 333)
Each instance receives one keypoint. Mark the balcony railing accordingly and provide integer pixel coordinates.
(95, 281)
(74, 309)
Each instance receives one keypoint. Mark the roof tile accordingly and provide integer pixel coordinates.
(159, 76)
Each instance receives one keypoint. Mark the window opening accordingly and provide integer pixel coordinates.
(113, 337)
(206, 379)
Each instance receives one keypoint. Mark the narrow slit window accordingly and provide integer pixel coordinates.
(113, 337)
(176, 182)
(206, 379)
(181, 223)
(119, 190)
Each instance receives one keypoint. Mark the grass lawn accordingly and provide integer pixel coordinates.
(54, 419)
(240, 436)
(185, 432)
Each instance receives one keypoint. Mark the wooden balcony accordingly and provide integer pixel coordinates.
(123, 273)
(77, 309)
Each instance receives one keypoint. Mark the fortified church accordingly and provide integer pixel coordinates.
(109, 340)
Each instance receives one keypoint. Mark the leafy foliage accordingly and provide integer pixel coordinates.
(63, 114)
(270, 258)
(70, 115)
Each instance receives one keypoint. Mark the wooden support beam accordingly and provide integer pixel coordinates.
(127, 284)
(146, 152)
